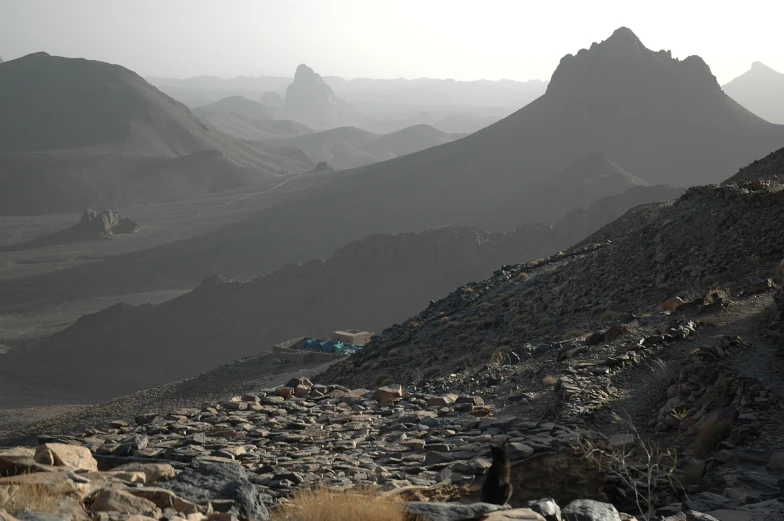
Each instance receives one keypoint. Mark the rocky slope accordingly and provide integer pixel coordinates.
(242, 455)
(588, 180)
(761, 90)
(369, 284)
(81, 127)
(769, 169)
(598, 100)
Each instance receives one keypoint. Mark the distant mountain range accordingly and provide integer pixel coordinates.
(75, 133)
(664, 120)
(761, 90)
(370, 95)
(349, 147)
(248, 119)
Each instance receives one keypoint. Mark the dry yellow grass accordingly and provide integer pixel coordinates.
(36, 498)
(549, 380)
(326, 505)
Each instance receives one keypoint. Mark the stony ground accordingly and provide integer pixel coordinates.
(20, 426)
(640, 371)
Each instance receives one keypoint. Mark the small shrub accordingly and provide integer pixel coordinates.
(597, 309)
(430, 371)
(710, 280)
(322, 504)
(523, 276)
(453, 324)
(549, 380)
(546, 322)
(484, 306)
(444, 321)
(710, 436)
(780, 269)
(462, 337)
(380, 379)
(375, 365)
(572, 333)
(468, 290)
(393, 352)
(519, 320)
(527, 291)
(463, 362)
(365, 366)
(609, 316)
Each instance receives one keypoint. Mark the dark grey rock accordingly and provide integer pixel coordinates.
(221, 481)
(450, 511)
(589, 510)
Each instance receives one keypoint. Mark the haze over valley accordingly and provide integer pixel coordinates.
(555, 238)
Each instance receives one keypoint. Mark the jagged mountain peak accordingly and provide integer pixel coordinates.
(310, 96)
(623, 37)
(624, 58)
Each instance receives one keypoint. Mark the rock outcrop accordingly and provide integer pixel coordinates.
(106, 223)
(310, 100)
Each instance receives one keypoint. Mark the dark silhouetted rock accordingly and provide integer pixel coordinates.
(226, 481)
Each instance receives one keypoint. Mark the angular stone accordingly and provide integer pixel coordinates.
(441, 401)
(516, 514)
(434, 511)
(153, 472)
(589, 510)
(115, 500)
(389, 392)
(72, 456)
(164, 498)
(220, 481)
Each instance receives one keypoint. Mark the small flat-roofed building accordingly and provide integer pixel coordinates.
(352, 336)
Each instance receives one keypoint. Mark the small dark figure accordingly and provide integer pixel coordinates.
(497, 488)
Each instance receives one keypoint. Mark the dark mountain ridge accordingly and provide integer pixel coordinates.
(369, 283)
(71, 130)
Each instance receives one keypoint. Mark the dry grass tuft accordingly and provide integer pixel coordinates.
(33, 497)
(549, 380)
(523, 275)
(572, 333)
(780, 269)
(326, 505)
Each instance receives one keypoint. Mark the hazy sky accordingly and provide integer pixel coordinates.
(384, 38)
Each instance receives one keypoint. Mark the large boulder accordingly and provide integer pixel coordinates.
(207, 481)
(589, 510)
(427, 511)
(72, 456)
